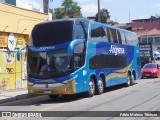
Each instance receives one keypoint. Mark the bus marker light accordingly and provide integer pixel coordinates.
(66, 89)
(30, 91)
(46, 85)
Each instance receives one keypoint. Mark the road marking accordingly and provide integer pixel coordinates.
(25, 99)
(52, 107)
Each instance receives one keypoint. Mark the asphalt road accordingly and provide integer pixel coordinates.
(144, 95)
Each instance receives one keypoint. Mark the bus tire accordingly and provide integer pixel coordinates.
(129, 79)
(100, 86)
(132, 79)
(91, 90)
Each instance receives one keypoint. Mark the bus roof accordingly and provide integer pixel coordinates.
(85, 19)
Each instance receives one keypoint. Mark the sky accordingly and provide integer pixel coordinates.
(120, 10)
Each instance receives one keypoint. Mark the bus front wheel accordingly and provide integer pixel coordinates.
(91, 90)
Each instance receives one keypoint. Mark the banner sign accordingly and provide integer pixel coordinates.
(23, 114)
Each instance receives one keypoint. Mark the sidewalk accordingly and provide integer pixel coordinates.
(11, 95)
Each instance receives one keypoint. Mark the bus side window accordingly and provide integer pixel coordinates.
(79, 56)
(78, 32)
(95, 33)
(114, 35)
(123, 38)
(109, 35)
(119, 37)
(103, 34)
(126, 38)
(98, 33)
(106, 35)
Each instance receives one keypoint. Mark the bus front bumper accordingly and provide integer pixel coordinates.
(57, 89)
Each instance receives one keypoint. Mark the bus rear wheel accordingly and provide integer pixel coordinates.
(100, 86)
(133, 77)
(129, 79)
(91, 90)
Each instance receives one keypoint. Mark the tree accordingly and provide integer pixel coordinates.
(71, 8)
(59, 13)
(104, 15)
(68, 9)
(155, 16)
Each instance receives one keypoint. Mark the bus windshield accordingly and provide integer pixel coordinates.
(48, 64)
(52, 33)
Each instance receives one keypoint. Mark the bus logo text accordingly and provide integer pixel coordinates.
(47, 48)
(116, 50)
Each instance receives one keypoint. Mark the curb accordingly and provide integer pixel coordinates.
(17, 97)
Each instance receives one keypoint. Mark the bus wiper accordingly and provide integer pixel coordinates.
(85, 33)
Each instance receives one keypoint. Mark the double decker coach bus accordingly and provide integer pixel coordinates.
(70, 56)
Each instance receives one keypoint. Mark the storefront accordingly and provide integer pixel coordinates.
(15, 29)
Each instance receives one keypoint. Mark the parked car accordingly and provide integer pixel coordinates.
(150, 70)
(156, 55)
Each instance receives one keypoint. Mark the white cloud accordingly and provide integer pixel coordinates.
(29, 4)
(89, 10)
(143, 17)
(157, 5)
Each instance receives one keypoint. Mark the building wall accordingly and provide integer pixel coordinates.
(15, 28)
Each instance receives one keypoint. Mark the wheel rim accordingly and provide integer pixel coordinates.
(128, 82)
(100, 85)
(91, 87)
(133, 79)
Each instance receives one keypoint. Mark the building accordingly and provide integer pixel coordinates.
(26, 4)
(15, 29)
(148, 30)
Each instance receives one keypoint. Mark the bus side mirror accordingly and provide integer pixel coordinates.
(19, 52)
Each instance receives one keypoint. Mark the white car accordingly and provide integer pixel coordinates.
(156, 55)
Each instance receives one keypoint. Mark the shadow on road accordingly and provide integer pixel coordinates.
(44, 99)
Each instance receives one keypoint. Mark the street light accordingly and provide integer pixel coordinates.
(147, 35)
(99, 19)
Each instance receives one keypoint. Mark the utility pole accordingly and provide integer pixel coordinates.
(46, 6)
(129, 17)
(99, 18)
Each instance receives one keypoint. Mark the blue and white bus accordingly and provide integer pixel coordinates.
(70, 56)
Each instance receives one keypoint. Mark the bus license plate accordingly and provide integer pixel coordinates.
(47, 91)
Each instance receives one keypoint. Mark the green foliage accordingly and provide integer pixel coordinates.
(68, 9)
(104, 15)
(59, 13)
(155, 16)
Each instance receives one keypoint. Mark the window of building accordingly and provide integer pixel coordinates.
(157, 40)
